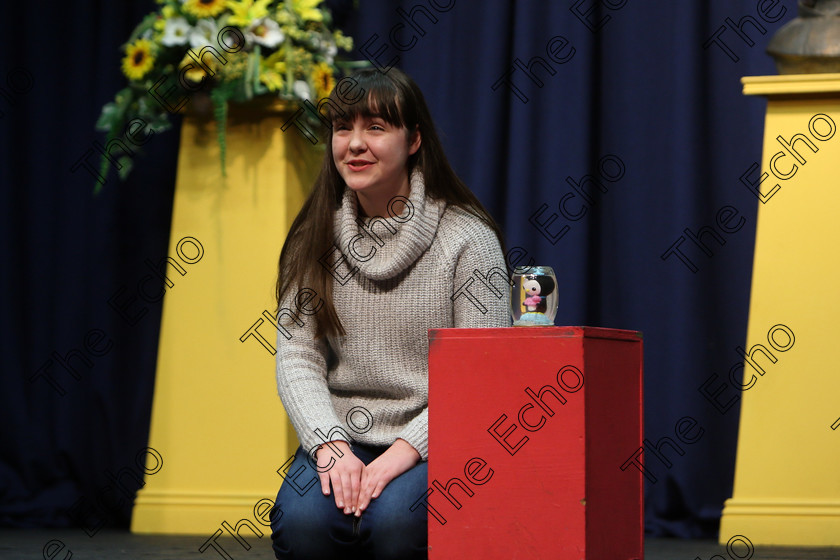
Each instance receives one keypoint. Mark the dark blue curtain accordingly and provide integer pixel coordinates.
(608, 137)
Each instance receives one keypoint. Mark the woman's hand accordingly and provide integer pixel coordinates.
(344, 473)
(396, 460)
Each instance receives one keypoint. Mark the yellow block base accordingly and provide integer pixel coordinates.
(217, 420)
(783, 523)
(787, 486)
(200, 513)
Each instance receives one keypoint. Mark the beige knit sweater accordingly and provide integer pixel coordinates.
(387, 306)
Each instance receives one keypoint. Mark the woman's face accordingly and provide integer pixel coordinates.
(371, 155)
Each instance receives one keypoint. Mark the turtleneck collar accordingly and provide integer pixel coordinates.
(384, 247)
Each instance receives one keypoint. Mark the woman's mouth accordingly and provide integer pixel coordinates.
(359, 164)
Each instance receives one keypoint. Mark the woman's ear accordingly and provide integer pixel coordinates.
(414, 141)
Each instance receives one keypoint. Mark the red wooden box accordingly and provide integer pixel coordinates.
(528, 429)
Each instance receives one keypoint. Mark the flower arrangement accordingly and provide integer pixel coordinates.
(234, 49)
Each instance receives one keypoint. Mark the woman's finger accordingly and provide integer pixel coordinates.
(347, 489)
(355, 488)
(325, 483)
(338, 489)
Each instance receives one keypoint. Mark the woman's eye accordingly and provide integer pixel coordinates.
(377, 127)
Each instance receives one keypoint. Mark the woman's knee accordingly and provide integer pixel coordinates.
(310, 533)
(393, 529)
(304, 522)
(398, 537)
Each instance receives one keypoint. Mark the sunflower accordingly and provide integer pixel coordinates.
(138, 59)
(204, 8)
(322, 77)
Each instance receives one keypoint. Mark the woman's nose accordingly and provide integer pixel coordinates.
(357, 141)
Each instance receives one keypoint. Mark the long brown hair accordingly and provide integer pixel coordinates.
(394, 97)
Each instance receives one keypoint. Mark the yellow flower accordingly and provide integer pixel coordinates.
(272, 80)
(246, 11)
(272, 69)
(197, 72)
(167, 13)
(342, 41)
(138, 59)
(234, 69)
(308, 9)
(296, 33)
(284, 17)
(322, 77)
(276, 62)
(204, 8)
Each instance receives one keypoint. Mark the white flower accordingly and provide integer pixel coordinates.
(301, 90)
(266, 32)
(175, 32)
(327, 47)
(330, 52)
(204, 33)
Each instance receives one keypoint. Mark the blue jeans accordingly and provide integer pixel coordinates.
(311, 527)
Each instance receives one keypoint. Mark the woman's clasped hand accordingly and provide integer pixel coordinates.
(353, 484)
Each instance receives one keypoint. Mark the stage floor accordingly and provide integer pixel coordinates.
(29, 545)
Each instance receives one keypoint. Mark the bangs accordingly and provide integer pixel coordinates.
(381, 99)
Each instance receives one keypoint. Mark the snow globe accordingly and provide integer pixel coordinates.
(533, 297)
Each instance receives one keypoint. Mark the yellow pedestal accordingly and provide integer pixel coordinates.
(787, 483)
(217, 420)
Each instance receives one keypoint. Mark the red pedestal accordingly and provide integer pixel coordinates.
(528, 429)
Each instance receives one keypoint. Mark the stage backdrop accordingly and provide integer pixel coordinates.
(610, 139)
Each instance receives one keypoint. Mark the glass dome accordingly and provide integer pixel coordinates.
(533, 297)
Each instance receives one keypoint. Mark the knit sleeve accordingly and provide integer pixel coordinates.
(416, 433)
(302, 372)
(481, 283)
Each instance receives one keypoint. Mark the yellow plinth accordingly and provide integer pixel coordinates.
(217, 420)
(787, 483)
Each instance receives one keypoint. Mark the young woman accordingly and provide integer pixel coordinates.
(389, 244)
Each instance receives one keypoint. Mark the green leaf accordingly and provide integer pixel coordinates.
(127, 165)
(147, 23)
(252, 73)
(113, 113)
(220, 96)
(159, 123)
(107, 118)
(104, 164)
